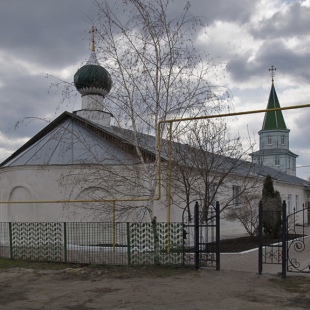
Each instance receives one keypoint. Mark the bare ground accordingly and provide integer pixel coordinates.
(149, 288)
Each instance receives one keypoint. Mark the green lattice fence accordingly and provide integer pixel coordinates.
(96, 243)
(37, 241)
(4, 240)
(159, 243)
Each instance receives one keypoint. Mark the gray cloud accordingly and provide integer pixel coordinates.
(31, 99)
(293, 22)
(302, 125)
(274, 52)
(46, 32)
(238, 11)
(52, 35)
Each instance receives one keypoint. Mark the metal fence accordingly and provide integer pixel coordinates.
(272, 236)
(202, 233)
(94, 243)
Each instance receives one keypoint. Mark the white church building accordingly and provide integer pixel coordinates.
(79, 157)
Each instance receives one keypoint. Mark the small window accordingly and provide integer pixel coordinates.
(282, 140)
(277, 161)
(260, 160)
(236, 195)
(269, 140)
(289, 203)
(297, 203)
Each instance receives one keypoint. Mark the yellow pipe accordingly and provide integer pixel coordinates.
(76, 201)
(158, 146)
(169, 172)
(159, 157)
(170, 121)
(234, 114)
(169, 185)
(114, 226)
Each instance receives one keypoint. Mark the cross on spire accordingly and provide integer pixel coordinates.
(272, 72)
(93, 31)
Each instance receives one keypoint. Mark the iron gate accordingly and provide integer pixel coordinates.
(298, 254)
(201, 236)
(272, 244)
(290, 250)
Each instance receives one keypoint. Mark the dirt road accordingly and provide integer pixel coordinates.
(129, 288)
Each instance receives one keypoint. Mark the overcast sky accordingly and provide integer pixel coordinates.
(44, 37)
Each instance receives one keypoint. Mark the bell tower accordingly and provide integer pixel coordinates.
(274, 137)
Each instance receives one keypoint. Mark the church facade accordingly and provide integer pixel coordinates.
(80, 168)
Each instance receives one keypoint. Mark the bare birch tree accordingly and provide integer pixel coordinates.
(157, 71)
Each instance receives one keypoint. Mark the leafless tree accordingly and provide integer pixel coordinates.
(247, 213)
(157, 72)
(212, 166)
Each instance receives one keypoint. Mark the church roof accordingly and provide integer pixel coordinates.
(221, 163)
(71, 139)
(273, 120)
(265, 152)
(68, 140)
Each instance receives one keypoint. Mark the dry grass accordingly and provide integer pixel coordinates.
(293, 284)
(91, 270)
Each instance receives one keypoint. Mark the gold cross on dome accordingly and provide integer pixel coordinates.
(93, 31)
(272, 72)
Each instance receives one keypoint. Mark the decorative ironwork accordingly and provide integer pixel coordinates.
(297, 261)
(272, 225)
(273, 254)
(205, 259)
(291, 249)
(272, 70)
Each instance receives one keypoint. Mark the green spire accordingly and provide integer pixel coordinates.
(273, 120)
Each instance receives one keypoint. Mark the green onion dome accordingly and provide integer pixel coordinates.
(92, 78)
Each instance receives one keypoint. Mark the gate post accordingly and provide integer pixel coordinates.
(11, 240)
(65, 242)
(217, 227)
(196, 224)
(284, 247)
(128, 244)
(260, 237)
